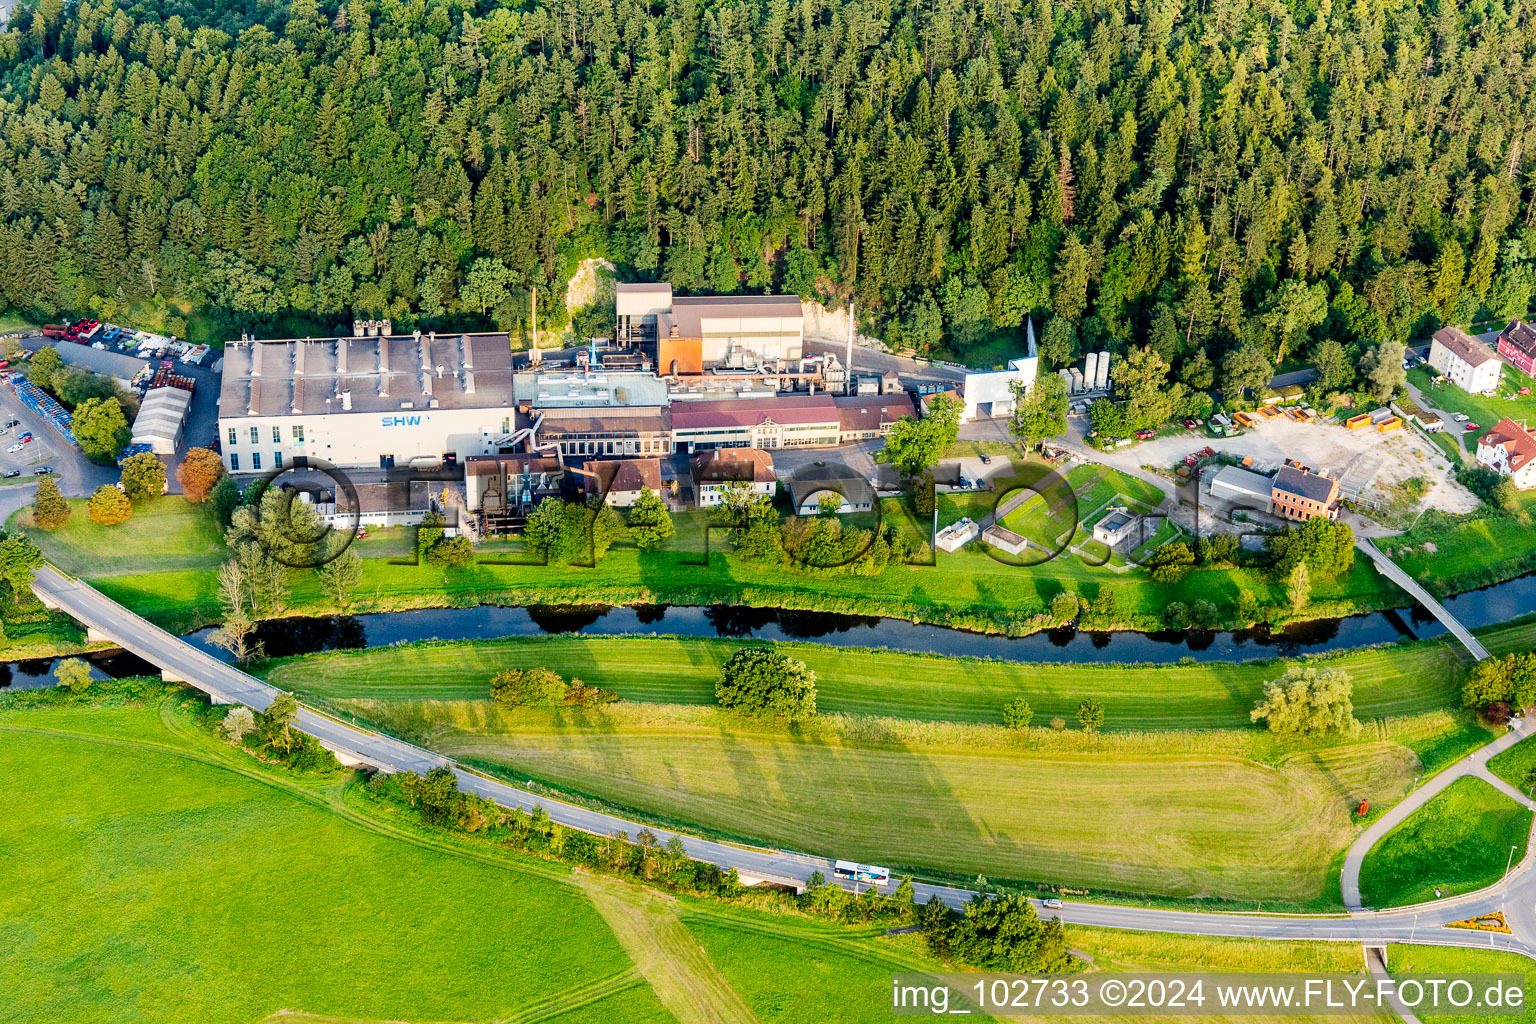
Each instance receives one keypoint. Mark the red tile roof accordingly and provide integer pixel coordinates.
(1519, 444)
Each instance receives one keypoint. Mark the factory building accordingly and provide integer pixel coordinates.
(991, 394)
(582, 414)
(799, 421)
(365, 401)
(699, 334)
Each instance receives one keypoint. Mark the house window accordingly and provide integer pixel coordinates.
(233, 437)
(255, 435)
(298, 433)
(255, 460)
(234, 459)
(277, 434)
(277, 459)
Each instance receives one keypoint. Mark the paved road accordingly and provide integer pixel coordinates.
(1391, 571)
(178, 659)
(1475, 765)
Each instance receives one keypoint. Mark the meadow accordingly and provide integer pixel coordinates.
(1220, 815)
(152, 878)
(1389, 681)
(1460, 841)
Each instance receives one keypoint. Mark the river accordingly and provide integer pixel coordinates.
(1476, 608)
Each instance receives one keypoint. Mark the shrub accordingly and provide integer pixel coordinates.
(49, 509)
(199, 473)
(1058, 724)
(143, 477)
(1090, 714)
(1064, 606)
(73, 674)
(451, 553)
(527, 687)
(762, 681)
(1176, 615)
(1308, 702)
(1171, 562)
(581, 695)
(1017, 713)
(1203, 615)
(238, 723)
(109, 506)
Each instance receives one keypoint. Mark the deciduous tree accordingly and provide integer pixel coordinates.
(109, 506)
(198, 473)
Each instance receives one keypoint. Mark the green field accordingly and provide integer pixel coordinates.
(1443, 961)
(1460, 841)
(789, 975)
(1220, 814)
(152, 877)
(1389, 681)
(1517, 765)
(164, 534)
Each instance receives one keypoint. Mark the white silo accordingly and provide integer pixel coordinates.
(1077, 381)
(1090, 369)
(1066, 378)
(1103, 371)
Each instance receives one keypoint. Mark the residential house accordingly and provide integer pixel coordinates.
(1470, 365)
(715, 471)
(1509, 449)
(1517, 343)
(620, 481)
(854, 492)
(1298, 493)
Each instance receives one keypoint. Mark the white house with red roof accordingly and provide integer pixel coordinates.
(1509, 449)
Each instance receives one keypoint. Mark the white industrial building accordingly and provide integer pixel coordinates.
(365, 401)
(990, 394)
(162, 415)
(1241, 487)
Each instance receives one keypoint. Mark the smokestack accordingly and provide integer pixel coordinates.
(533, 353)
(849, 360)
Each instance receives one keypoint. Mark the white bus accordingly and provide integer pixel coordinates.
(847, 869)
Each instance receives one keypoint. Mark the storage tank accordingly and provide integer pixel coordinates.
(1066, 378)
(1077, 382)
(1090, 369)
(1103, 370)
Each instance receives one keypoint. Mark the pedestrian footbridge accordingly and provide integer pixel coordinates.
(1392, 571)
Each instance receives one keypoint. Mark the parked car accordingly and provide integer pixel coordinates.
(1051, 904)
(986, 460)
(1473, 426)
(12, 472)
(43, 471)
(13, 423)
(1460, 417)
(25, 438)
(13, 449)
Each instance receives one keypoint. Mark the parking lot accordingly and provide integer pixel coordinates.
(77, 476)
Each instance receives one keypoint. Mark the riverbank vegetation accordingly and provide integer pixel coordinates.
(1461, 840)
(163, 564)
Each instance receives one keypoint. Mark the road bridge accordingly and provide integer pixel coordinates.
(1392, 571)
(182, 662)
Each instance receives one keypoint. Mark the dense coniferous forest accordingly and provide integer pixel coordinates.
(1205, 177)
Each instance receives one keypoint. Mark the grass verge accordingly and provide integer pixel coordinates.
(1460, 841)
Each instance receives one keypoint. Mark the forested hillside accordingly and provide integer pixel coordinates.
(1204, 176)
